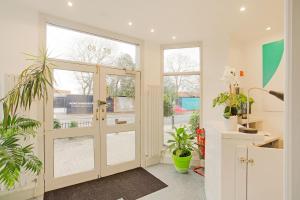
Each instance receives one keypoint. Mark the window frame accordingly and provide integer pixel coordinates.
(45, 19)
(200, 73)
(74, 26)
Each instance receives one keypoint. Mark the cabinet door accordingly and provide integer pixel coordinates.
(265, 174)
(241, 173)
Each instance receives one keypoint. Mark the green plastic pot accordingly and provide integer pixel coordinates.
(182, 164)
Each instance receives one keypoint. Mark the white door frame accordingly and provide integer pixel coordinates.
(51, 134)
(98, 130)
(292, 98)
(105, 129)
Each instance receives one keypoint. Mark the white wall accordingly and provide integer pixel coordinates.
(248, 56)
(215, 58)
(20, 33)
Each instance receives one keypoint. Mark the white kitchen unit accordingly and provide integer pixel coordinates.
(224, 180)
(259, 173)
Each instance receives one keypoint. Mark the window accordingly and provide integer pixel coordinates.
(73, 99)
(182, 88)
(67, 44)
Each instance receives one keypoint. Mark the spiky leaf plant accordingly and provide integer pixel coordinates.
(15, 156)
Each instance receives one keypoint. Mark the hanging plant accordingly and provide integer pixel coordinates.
(32, 84)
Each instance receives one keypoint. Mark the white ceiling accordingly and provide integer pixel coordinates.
(188, 20)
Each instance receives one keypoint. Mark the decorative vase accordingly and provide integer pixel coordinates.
(231, 123)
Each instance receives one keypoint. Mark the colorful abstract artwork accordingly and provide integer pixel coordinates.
(272, 57)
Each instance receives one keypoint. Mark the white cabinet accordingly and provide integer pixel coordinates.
(259, 173)
(226, 176)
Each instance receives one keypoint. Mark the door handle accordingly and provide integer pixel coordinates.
(243, 160)
(251, 161)
(100, 103)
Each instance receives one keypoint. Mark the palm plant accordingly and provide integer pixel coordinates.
(32, 84)
(13, 155)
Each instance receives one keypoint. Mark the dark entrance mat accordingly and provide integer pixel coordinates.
(128, 185)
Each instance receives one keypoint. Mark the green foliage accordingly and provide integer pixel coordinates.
(232, 102)
(168, 106)
(56, 124)
(182, 143)
(32, 85)
(194, 122)
(73, 124)
(14, 156)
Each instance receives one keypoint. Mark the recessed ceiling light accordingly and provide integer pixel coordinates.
(70, 4)
(268, 28)
(152, 30)
(242, 8)
(173, 37)
(130, 23)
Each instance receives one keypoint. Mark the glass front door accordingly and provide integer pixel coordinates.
(120, 120)
(92, 124)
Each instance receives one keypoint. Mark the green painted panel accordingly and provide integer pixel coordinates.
(272, 55)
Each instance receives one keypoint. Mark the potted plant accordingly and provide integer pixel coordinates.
(16, 156)
(181, 147)
(233, 100)
(232, 103)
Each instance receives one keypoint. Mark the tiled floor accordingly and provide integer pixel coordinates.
(180, 186)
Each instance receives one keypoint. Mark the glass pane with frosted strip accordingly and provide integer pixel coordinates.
(73, 99)
(120, 147)
(120, 98)
(73, 155)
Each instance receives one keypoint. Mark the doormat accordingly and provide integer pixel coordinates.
(128, 185)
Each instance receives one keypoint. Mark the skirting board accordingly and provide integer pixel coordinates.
(24, 193)
(153, 160)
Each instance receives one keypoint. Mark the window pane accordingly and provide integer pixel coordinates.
(120, 147)
(182, 60)
(73, 45)
(120, 99)
(73, 99)
(73, 155)
(181, 102)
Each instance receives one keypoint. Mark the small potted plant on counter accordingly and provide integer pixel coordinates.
(233, 100)
(181, 146)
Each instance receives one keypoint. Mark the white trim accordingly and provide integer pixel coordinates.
(67, 24)
(27, 192)
(89, 29)
(200, 73)
(181, 73)
(51, 134)
(292, 96)
(44, 19)
(106, 129)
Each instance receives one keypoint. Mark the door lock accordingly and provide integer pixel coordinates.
(97, 114)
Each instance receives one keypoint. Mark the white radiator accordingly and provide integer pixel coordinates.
(154, 136)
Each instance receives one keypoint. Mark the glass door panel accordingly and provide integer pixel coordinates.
(120, 147)
(120, 99)
(71, 137)
(73, 155)
(120, 106)
(73, 99)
